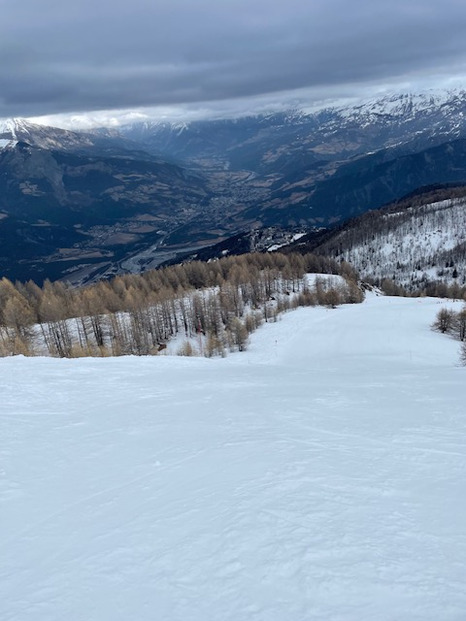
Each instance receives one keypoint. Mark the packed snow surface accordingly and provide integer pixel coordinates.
(318, 476)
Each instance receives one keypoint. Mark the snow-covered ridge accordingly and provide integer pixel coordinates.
(396, 105)
(15, 130)
(420, 244)
(390, 107)
(9, 129)
(13, 126)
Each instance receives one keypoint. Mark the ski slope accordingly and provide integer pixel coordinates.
(321, 475)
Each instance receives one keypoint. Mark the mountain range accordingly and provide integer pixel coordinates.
(85, 205)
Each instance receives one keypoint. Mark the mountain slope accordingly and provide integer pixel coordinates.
(103, 207)
(367, 182)
(322, 167)
(330, 487)
(415, 241)
(102, 143)
(264, 143)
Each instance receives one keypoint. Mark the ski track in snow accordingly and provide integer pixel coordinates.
(318, 476)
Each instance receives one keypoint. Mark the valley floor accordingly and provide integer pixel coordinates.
(321, 475)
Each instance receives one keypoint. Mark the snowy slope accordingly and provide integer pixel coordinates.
(318, 476)
(8, 129)
(413, 246)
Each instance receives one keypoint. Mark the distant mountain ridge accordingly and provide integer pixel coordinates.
(320, 167)
(159, 190)
(329, 131)
(103, 142)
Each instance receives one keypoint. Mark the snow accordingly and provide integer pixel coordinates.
(13, 125)
(319, 475)
(417, 243)
(403, 105)
(8, 129)
(294, 238)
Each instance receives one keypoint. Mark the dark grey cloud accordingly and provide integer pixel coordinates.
(60, 57)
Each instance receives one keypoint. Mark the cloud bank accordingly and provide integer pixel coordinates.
(88, 55)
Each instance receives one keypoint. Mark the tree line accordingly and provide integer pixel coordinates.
(453, 322)
(432, 289)
(220, 302)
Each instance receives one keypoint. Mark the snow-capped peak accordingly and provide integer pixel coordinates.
(402, 105)
(10, 129)
(13, 126)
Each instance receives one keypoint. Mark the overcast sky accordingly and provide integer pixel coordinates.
(202, 56)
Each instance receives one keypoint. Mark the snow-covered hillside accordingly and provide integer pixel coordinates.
(412, 246)
(16, 130)
(320, 475)
(8, 130)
